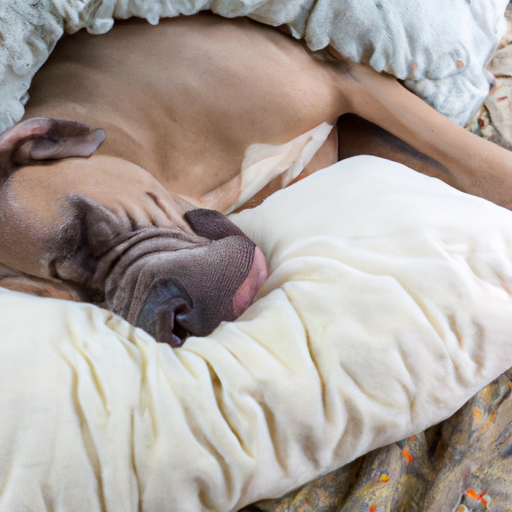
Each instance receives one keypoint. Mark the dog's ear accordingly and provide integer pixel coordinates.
(43, 139)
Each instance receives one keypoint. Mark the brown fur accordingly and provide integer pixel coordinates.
(180, 104)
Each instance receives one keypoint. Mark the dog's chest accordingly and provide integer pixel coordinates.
(185, 99)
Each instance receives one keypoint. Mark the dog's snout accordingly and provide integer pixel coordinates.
(167, 313)
(171, 320)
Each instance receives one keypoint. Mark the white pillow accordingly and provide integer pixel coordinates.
(389, 305)
(439, 48)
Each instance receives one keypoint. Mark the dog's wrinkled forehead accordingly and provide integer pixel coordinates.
(23, 216)
(116, 184)
(41, 179)
(93, 233)
(110, 227)
(55, 204)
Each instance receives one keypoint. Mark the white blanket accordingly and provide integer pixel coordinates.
(438, 47)
(389, 305)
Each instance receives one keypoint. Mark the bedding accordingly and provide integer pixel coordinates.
(493, 120)
(462, 464)
(438, 48)
(381, 317)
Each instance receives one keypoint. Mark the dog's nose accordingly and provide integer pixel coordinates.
(173, 322)
(168, 313)
(257, 276)
(195, 303)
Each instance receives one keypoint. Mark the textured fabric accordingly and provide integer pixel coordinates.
(493, 120)
(439, 48)
(382, 316)
(28, 33)
(461, 465)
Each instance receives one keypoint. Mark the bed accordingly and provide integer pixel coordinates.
(432, 470)
(262, 406)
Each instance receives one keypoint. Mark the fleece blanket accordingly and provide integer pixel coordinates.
(382, 316)
(438, 48)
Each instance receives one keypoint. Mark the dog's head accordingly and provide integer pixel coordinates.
(108, 226)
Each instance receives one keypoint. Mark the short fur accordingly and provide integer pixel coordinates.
(180, 103)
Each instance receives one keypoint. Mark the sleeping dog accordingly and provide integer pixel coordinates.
(133, 139)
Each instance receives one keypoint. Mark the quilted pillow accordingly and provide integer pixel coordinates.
(388, 306)
(439, 48)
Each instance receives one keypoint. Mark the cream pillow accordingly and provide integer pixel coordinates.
(388, 306)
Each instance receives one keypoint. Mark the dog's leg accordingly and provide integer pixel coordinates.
(357, 136)
(471, 164)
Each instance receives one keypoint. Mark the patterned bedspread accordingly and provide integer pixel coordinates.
(461, 465)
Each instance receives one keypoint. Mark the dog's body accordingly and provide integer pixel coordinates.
(185, 99)
(180, 104)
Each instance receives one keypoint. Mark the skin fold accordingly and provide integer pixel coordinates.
(107, 186)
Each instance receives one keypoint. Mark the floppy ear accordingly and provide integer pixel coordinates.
(41, 138)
